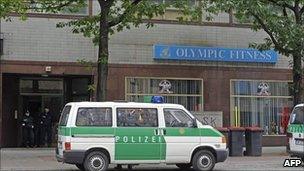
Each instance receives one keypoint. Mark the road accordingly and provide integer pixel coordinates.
(43, 159)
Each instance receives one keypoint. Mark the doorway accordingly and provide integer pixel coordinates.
(36, 104)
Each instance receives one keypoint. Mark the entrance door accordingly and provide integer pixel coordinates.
(137, 135)
(36, 104)
(33, 104)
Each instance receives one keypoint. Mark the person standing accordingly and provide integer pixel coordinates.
(46, 120)
(27, 130)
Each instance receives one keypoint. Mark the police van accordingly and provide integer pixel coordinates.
(93, 135)
(295, 132)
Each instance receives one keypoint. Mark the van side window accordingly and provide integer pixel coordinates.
(177, 118)
(137, 117)
(64, 116)
(297, 116)
(94, 117)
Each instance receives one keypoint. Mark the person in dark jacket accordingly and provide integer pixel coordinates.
(46, 120)
(27, 130)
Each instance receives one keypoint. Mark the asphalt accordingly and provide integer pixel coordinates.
(44, 159)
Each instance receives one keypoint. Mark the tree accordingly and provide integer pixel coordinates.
(114, 16)
(282, 20)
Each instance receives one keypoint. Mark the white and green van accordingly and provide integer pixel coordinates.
(295, 132)
(93, 135)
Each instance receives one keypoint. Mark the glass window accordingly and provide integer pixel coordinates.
(41, 86)
(187, 92)
(297, 116)
(94, 117)
(190, 2)
(64, 116)
(80, 11)
(266, 104)
(80, 86)
(50, 86)
(177, 118)
(137, 117)
(26, 86)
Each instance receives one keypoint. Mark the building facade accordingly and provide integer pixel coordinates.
(39, 68)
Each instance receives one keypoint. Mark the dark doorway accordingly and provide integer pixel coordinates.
(36, 104)
(33, 104)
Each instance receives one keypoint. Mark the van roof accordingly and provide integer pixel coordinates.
(129, 104)
(300, 105)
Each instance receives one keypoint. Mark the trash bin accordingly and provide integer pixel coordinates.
(236, 141)
(225, 132)
(253, 138)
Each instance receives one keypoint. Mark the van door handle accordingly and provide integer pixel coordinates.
(164, 132)
(156, 132)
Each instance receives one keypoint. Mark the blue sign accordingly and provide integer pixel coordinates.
(195, 53)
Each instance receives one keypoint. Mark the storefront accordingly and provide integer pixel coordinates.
(240, 96)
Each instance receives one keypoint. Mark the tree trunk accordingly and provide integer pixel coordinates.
(297, 80)
(103, 53)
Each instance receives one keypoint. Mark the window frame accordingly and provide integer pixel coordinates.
(112, 118)
(89, 10)
(235, 117)
(157, 117)
(201, 95)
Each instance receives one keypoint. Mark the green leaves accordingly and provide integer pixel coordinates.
(282, 20)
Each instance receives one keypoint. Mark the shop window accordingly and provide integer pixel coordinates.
(94, 117)
(137, 117)
(187, 92)
(266, 104)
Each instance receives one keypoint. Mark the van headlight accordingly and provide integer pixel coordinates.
(224, 140)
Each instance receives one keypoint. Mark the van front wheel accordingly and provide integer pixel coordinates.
(203, 160)
(96, 161)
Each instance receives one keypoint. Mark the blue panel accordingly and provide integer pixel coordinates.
(195, 53)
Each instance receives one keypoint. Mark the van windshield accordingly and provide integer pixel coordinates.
(64, 116)
(297, 116)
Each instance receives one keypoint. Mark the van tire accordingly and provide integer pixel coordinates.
(80, 167)
(203, 160)
(96, 161)
(184, 166)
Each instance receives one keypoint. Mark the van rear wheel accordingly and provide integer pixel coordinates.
(203, 160)
(96, 161)
(184, 166)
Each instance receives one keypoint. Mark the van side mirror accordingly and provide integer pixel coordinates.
(194, 123)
